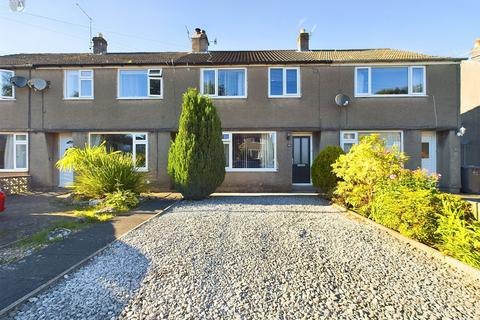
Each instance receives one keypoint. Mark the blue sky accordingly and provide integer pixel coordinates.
(435, 27)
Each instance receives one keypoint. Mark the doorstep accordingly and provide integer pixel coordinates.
(18, 280)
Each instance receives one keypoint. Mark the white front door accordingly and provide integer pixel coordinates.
(65, 142)
(429, 151)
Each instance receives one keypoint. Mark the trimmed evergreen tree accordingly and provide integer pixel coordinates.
(196, 159)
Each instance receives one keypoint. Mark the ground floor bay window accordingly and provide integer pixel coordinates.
(250, 151)
(391, 138)
(13, 152)
(133, 143)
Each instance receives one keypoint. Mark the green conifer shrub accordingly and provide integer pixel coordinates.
(196, 159)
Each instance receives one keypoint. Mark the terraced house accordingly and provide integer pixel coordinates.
(278, 108)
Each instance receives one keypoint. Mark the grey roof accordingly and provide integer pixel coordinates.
(220, 58)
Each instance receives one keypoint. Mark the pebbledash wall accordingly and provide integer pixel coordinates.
(45, 115)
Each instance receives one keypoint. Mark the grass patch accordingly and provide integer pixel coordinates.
(90, 214)
(40, 238)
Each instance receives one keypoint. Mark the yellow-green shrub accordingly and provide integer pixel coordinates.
(458, 232)
(98, 172)
(409, 211)
(364, 167)
(121, 200)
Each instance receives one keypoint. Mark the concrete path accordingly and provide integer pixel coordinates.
(21, 278)
(258, 258)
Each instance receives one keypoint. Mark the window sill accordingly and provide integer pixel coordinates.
(7, 99)
(139, 98)
(393, 96)
(285, 97)
(229, 97)
(250, 170)
(13, 170)
(78, 99)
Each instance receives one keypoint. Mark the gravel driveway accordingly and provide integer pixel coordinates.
(259, 257)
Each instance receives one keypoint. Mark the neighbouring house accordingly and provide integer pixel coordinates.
(277, 108)
(470, 117)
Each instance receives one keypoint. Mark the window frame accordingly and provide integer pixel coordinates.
(134, 143)
(284, 82)
(148, 96)
(216, 96)
(355, 141)
(15, 143)
(80, 78)
(229, 141)
(410, 81)
(7, 98)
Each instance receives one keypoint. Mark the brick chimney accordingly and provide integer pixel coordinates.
(303, 41)
(199, 41)
(475, 53)
(99, 44)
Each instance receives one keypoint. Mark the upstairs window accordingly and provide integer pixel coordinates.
(140, 84)
(284, 82)
(224, 83)
(6, 87)
(78, 84)
(390, 81)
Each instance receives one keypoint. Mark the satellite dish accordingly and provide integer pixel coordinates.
(19, 81)
(342, 100)
(38, 84)
(17, 5)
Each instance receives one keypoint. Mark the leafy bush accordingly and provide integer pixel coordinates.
(459, 235)
(98, 172)
(196, 160)
(322, 175)
(121, 200)
(365, 166)
(375, 184)
(410, 211)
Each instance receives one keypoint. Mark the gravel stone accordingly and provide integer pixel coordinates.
(259, 257)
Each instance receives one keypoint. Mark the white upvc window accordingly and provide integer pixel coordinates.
(392, 138)
(13, 152)
(250, 151)
(134, 143)
(224, 82)
(78, 84)
(7, 89)
(140, 84)
(390, 81)
(283, 82)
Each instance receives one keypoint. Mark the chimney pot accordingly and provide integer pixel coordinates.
(200, 41)
(99, 44)
(303, 40)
